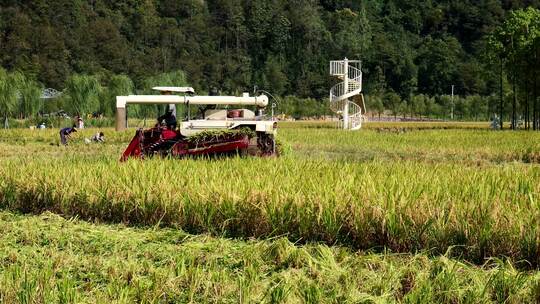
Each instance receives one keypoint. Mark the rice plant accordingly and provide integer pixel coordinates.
(473, 194)
(49, 259)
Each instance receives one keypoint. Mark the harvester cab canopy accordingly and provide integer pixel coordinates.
(171, 90)
(229, 119)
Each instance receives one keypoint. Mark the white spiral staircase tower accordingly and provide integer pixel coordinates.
(346, 98)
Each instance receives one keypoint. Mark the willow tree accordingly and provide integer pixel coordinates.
(83, 91)
(117, 85)
(29, 97)
(9, 93)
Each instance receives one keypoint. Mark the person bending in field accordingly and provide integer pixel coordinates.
(169, 118)
(65, 134)
(99, 137)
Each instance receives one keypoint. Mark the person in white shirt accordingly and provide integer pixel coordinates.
(98, 137)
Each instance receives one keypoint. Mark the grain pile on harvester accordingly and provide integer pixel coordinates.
(215, 131)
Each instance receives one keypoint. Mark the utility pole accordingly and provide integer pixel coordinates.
(501, 106)
(452, 105)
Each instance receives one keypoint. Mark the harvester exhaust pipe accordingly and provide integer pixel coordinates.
(123, 101)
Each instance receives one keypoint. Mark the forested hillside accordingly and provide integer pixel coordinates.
(407, 47)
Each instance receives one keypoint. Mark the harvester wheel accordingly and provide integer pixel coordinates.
(266, 144)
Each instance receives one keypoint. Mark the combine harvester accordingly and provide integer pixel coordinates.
(216, 131)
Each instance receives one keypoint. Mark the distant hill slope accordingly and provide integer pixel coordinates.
(283, 46)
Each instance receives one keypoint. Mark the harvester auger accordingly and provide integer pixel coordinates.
(215, 132)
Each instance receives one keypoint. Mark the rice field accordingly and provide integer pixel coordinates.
(417, 212)
(48, 259)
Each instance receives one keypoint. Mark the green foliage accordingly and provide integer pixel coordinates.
(516, 44)
(421, 48)
(392, 101)
(234, 45)
(438, 67)
(117, 85)
(30, 98)
(418, 104)
(375, 104)
(9, 90)
(302, 107)
(274, 79)
(83, 92)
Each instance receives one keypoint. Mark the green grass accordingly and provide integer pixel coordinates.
(48, 259)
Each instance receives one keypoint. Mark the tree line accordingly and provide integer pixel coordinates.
(515, 45)
(440, 107)
(20, 97)
(413, 51)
